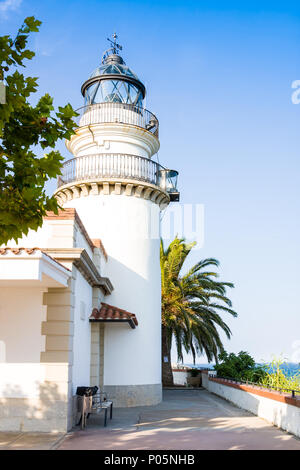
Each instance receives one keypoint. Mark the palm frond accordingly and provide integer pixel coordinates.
(192, 302)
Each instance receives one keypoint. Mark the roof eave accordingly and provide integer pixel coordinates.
(130, 321)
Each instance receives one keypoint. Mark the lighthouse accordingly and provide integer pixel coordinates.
(119, 190)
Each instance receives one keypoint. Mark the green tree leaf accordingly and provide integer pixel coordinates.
(23, 129)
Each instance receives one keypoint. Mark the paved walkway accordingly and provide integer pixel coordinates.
(29, 441)
(185, 420)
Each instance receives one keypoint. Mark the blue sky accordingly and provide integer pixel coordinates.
(218, 76)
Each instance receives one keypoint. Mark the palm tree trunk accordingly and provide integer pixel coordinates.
(167, 375)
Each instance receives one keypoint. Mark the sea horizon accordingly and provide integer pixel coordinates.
(290, 368)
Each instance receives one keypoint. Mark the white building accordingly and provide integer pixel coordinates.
(80, 298)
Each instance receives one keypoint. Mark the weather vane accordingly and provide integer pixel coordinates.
(115, 45)
(112, 50)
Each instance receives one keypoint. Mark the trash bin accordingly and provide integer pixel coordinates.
(85, 402)
(86, 391)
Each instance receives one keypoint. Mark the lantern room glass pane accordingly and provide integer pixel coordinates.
(114, 91)
(168, 180)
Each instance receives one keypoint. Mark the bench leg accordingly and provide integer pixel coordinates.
(105, 417)
(83, 414)
(111, 410)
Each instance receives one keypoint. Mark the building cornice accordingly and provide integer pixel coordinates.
(114, 186)
(81, 260)
(46, 264)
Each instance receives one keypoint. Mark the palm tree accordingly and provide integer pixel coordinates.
(191, 306)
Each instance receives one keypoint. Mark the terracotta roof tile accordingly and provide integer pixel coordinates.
(18, 250)
(110, 313)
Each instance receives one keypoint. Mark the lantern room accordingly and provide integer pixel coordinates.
(113, 82)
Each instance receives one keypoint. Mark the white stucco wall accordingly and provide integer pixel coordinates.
(31, 271)
(21, 380)
(53, 234)
(205, 382)
(82, 332)
(81, 242)
(180, 377)
(281, 414)
(21, 315)
(129, 229)
(113, 138)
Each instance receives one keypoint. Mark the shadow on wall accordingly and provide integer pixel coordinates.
(131, 289)
(47, 412)
(132, 357)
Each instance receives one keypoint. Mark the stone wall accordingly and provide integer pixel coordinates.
(134, 395)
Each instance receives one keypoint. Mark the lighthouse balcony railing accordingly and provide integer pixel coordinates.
(117, 113)
(115, 166)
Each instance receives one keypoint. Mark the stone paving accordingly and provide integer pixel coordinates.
(185, 420)
(29, 441)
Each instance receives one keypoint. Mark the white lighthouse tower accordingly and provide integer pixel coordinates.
(118, 191)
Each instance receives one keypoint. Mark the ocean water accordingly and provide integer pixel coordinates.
(289, 368)
(199, 366)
